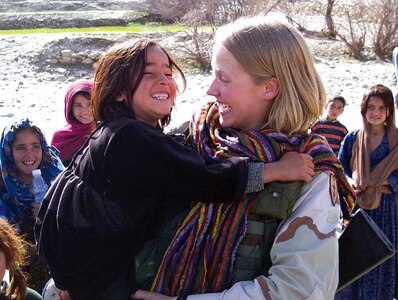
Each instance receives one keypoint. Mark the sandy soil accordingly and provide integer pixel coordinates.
(36, 91)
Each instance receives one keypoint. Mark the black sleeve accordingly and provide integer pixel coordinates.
(144, 159)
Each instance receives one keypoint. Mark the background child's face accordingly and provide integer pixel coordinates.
(27, 153)
(334, 109)
(376, 111)
(81, 109)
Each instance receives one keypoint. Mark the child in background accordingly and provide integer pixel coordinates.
(329, 127)
(24, 149)
(12, 255)
(78, 116)
(370, 160)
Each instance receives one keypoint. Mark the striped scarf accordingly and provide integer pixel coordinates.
(201, 255)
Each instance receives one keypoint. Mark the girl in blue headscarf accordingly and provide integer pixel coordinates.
(24, 149)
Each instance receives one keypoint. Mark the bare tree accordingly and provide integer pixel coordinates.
(197, 48)
(384, 26)
(331, 30)
(209, 13)
(352, 29)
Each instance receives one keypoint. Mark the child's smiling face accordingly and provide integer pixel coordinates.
(27, 153)
(81, 109)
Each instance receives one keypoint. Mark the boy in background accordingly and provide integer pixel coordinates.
(329, 127)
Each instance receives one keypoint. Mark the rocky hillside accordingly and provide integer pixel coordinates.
(62, 13)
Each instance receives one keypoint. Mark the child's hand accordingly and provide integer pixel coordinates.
(292, 166)
(64, 295)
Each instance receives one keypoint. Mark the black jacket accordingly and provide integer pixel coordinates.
(113, 196)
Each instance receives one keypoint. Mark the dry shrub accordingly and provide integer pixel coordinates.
(384, 25)
(210, 13)
(352, 29)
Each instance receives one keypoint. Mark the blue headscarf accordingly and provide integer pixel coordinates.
(15, 196)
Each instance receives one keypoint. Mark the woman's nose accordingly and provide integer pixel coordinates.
(212, 90)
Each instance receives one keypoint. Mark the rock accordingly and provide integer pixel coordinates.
(52, 61)
(87, 61)
(66, 53)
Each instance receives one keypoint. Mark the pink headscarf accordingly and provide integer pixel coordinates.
(72, 136)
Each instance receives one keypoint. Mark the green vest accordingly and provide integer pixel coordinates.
(274, 204)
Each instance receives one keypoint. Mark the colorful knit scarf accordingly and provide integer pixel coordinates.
(201, 255)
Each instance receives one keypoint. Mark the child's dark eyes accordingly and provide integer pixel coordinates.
(167, 74)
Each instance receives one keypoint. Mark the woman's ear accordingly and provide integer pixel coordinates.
(121, 97)
(271, 88)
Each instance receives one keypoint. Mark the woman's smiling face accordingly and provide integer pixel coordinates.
(240, 100)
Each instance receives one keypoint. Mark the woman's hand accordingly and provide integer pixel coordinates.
(145, 295)
(292, 166)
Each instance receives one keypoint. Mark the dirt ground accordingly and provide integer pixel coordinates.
(32, 87)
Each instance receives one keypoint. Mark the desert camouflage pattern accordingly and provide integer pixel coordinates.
(304, 253)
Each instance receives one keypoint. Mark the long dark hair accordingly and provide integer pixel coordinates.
(119, 72)
(384, 93)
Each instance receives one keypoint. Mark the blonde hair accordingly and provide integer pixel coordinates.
(14, 248)
(269, 48)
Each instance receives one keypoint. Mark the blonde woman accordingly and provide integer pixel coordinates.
(267, 93)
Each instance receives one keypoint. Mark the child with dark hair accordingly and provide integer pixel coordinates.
(24, 149)
(370, 160)
(329, 127)
(79, 118)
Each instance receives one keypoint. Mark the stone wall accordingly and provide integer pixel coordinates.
(67, 19)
